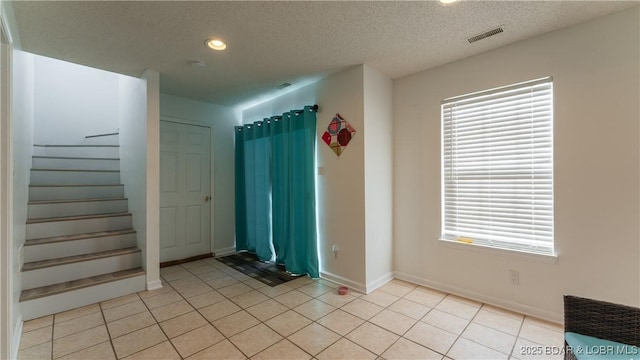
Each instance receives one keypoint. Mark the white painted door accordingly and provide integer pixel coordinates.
(185, 191)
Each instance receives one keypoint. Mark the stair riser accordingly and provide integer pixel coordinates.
(78, 247)
(36, 211)
(71, 227)
(36, 308)
(74, 178)
(76, 164)
(74, 193)
(68, 272)
(74, 151)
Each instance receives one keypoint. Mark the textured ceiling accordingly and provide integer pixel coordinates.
(274, 42)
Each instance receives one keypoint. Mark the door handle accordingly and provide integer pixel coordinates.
(207, 198)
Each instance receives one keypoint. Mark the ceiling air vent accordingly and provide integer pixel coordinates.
(485, 34)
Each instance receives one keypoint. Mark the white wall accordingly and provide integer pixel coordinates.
(73, 101)
(341, 188)
(595, 68)
(378, 160)
(132, 119)
(222, 121)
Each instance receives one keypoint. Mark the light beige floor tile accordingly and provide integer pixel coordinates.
(138, 340)
(467, 349)
(465, 301)
(235, 290)
(425, 296)
(80, 341)
(541, 335)
(37, 352)
(410, 309)
(77, 325)
(190, 286)
(340, 322)
(292, 298)
(125, 310)
(430, 336)
(36, 337)
(72, 314)
(314, 338)
(283, 350)
(182, 324)
(219, 310)
(37, 323)
(397, 288)
(543, 323)
(222, 350)
(162, 299)
(380, 298)
(287, 323)
(105, 305)
(314, 289)
(314, 309)
(404, 349)
(235, 323)
(275, 291)
(300, 281)
(373, 338)
(498, 321)
(151, 293)
(196, 340)
(362, 309)
(130, 324)
(206, 299)
(392, 321)
(249, 298)
(213, 274)
(345, 349)
(255, 284)
(491, 338)
(446, 321)
(503, 312)
(164, 351)
(170, 311)
(267, 309)
(528, 350)
(255, 339)
(457, 308)
(173, 273)
(221, 282)
(102, 351)
(336, 300)
(200, 268)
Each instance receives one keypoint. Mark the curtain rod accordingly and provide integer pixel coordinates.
(314, 107)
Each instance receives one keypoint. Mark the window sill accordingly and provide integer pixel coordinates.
(548, 259)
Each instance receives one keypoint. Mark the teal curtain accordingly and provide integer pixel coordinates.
(282, 150)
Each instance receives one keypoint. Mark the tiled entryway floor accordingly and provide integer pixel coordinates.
(207, 310)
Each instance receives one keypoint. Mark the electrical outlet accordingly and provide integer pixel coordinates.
(334, 250)
(514, 277)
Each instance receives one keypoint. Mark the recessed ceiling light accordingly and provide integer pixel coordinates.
(216, 44)
(448, 2)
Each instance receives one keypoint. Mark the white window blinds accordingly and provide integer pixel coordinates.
(497, 167)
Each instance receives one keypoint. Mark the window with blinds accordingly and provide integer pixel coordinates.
(497, 167)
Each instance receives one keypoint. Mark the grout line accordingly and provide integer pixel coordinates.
(108, 332)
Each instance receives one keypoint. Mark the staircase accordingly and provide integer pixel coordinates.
(80, 247)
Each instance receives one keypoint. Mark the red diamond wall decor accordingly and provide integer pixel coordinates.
(338, 135)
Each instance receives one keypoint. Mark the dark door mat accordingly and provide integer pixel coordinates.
(266, 272)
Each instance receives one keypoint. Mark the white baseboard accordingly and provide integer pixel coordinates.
(373, 285)
(505, 304)
(225, 251)
(344, 281)
(154, 285)
(17, 336)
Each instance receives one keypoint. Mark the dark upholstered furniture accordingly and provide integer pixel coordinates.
(600, 319)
